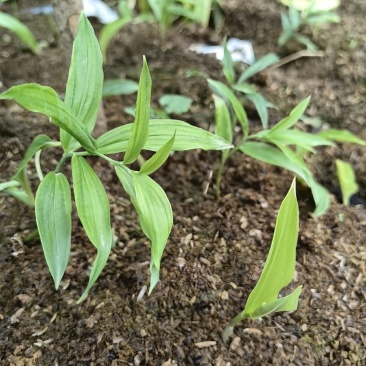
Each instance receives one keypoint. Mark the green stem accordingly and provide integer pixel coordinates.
(69, 156)
(37, 163)
(112, 161)
(219, 174)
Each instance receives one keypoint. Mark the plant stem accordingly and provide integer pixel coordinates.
(37, 162)
(69, 156)
(219, 174)
(112, 161)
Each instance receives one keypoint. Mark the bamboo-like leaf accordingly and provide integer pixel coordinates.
(154, 211)
(85, 82)
(187, 137)
(292, 118)
(140, 128)
(119, 87)
(43, 99)
(271, 155)
(228, 65)
(20, 29)
(21, 195)
(94, 213)
(224, 92)
(341, 136)
(347, 180)
(223, 123)
(260, 65)
(158, 159)
(53, 215)
(109, 31)
(174, 103)
(261, 106)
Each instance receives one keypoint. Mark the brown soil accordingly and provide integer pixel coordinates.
(217, 247)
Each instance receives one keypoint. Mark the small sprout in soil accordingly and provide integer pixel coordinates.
(301, 14)
(278, 270)
(347, 181)
(76, 117)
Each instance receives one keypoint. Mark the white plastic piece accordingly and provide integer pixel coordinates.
(98, 9)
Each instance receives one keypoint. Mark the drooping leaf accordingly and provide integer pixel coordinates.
(341, 136)
(224, 92)
(260, 65)
(187, 137)
(85, 81)
(109, 31)
(43, 99)
(140, 128)
(291, 119)
(93, 209)
(174, 103)
(158, 159)
(154, 211)
(119, 87)
(261, 106)
(347, 180)
(274, 156)
(53, 216)
(20, 195)
(20, 29)
(245, 88)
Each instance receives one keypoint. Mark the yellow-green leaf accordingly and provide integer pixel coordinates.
(347, 180)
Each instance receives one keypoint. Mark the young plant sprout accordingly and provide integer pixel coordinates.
(76, 117)
(278, 270)
(347, 181)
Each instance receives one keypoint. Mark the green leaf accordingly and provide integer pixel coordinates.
(43, 99)
(20, 195)
(109, 31)
(341, 136)
(119, 87)
(154, 211)
(187, 137)
(260, 65)
(94, 213)
(291, 119)
(347, 180)
(85, 82)
(273, 156)
(228, 65)
(245, 88)
(261, 106)
(53, 216)
(224, 92)
(174, 103)
(279, 268)
(158, 159)
(40, 142)
(223, 123)
(21, 30)
(140, 128)
(287, 303)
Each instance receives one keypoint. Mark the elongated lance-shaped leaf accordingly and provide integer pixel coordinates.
(20, 29)
(224, 92)
(140, 128)
(260, 65)
(341, 136)
(274, 156)
(223, 122)
(43, 99)
(119, 87)
(53, 216)
(279, 268)
(347, 180)
(292, 118)
(159, 158)
(187, 137)
(85, 82)
(154, 211)
(94, 213)
(20, 195)
(261, 106)
(228, 65)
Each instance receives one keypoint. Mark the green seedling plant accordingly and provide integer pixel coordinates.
(21, 30)
(76, 117)
(347, 180)
(301, 15)
(278, 270)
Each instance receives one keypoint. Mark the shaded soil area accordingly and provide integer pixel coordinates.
(217, 247)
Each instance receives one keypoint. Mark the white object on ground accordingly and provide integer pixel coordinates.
(97, 8)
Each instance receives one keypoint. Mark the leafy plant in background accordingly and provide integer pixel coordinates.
(347, 181)
(164, 12)
(76, 117)
(278, 270)
(21, 30)
(312, 13)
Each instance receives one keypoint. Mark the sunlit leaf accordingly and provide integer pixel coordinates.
(140, 127)
(93, 209)
(341, 136)
(53, 215)
(85, 81)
